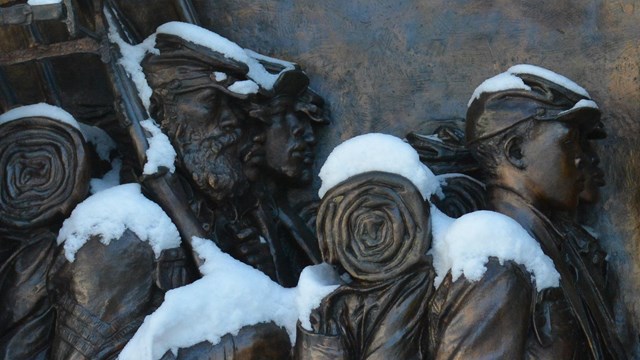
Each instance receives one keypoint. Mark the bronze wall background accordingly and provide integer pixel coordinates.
(396, 66)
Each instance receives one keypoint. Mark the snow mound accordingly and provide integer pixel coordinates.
(160, 152)
(464, 245)
(39, 110)
(110, 212)
(376, 152)
(229, 296)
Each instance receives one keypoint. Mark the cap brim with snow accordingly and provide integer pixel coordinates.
(527, 92)
(376, 152)
(203, 52)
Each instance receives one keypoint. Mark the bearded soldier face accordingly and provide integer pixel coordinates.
(207, 139)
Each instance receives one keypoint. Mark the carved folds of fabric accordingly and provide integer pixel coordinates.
(375, 226)
(44, 172)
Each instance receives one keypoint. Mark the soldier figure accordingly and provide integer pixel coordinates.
(528, 138)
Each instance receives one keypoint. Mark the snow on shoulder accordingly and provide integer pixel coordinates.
(464, 245)
(39, 110)
(109, 213)
(229, 296)
(376, 152)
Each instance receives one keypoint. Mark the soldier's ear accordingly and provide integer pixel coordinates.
(513, 152)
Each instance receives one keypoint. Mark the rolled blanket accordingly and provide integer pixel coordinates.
(44, 171)
(374, 225)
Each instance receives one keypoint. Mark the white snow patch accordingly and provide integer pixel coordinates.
(109, 180)
(500, 82)
(109, 213)
(509, 80)
(549, 75)
(43, 2)
(283, 63)
(244, 87)
(39, 110)
(376, 152)
(229, 49)
(220, 76)
(464, 245)
(581, 104)
(132, 56)
(160, 152)
(103, 143)
(229, 296)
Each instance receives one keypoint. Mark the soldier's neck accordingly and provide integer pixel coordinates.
(510, 203)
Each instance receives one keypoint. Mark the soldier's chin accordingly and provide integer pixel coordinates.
(300, 178)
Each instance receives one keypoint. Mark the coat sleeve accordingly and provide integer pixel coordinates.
(486, 319)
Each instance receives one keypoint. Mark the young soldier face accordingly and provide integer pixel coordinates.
(553, 164)
(289, 142)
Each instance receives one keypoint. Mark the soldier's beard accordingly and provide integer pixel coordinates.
(218, 174)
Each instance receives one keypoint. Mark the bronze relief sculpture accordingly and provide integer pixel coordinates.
(527, 152)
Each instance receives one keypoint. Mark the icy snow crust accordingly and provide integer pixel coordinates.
(43, 2)
(581, 104)
(464, 245)
(229, 296)
(109, 213)
(160, 152)
(376, 152)
(104, 145)
(39, 110)
(509, 80)
(132, 56)
(549, 75)
(500, 82)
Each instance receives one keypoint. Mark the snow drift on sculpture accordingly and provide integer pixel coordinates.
(160, 152)
(464, 245)
(376, 152)
(229, 296)
(109, 213)
(509, 80)
(40, 110)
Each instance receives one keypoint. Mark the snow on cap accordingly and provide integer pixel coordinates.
(39, 110)
(254, 73)
(524, 69)
(527, 92)
(376, 152)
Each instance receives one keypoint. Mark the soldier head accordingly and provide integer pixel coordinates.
(525, 127)
(198, 98)
(287, 135)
